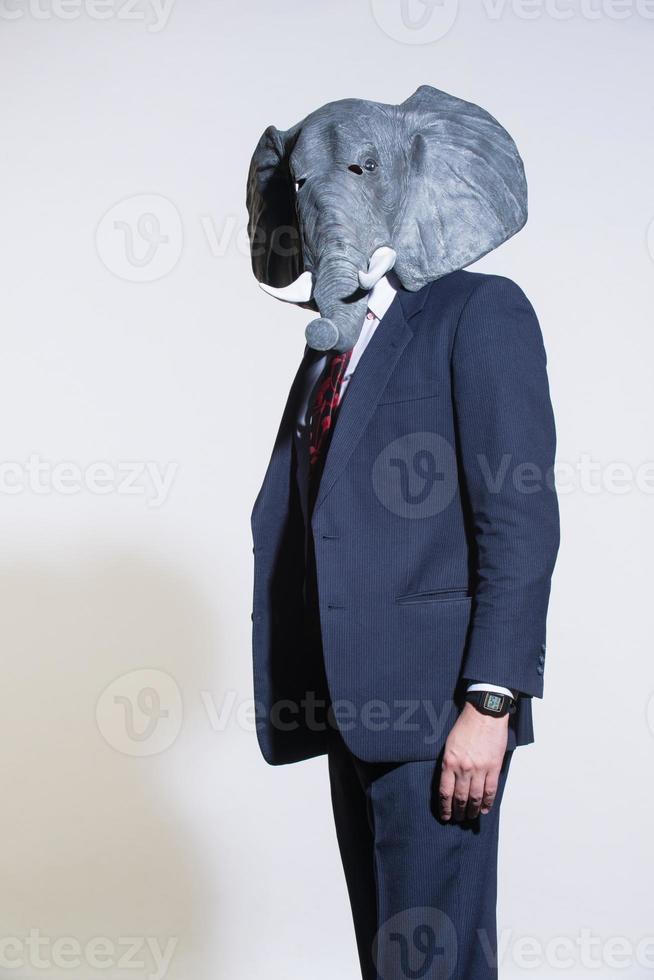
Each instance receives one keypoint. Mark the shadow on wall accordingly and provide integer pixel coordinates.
(93, 840)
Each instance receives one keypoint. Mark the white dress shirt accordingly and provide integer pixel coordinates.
(380, 298)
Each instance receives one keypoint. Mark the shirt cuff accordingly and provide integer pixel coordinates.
(490, 687)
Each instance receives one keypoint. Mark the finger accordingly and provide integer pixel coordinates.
(461, 794)
(490, 791)
(445, 793)
(476, 795)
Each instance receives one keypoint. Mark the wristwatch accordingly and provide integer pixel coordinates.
(489, 703)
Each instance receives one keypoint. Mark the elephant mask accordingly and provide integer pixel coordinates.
(358, 188)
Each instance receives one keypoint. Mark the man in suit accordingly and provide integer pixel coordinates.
(404, 540)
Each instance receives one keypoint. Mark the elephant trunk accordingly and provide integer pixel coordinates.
(336, 252)
(341, 301)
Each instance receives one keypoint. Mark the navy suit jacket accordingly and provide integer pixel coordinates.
(435, 531)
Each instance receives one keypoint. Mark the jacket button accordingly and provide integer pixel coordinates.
(540, 669)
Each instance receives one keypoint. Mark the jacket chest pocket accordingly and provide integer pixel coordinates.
(407, 392)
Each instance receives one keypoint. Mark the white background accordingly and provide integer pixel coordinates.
(199, 841)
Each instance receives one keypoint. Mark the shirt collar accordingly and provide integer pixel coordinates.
(380, 297)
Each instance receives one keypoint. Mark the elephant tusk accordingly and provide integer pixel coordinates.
(296, 292)
(382, 261)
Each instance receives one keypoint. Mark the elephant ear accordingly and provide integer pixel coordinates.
(466, 188)
(275, 245)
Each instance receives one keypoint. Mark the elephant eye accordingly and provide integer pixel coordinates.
(368, 164)
(299, 183)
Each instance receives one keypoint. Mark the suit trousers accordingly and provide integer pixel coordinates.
(423, 892)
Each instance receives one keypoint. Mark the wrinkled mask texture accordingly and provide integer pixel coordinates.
(358, 188)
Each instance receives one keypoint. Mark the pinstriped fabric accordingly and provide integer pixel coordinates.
(435, 531)
(503, 418)
(423, 893)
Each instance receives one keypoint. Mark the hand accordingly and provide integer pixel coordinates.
(472, 760)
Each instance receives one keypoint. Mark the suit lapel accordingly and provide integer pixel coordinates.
(364, 391)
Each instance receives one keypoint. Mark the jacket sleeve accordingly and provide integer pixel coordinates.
(506, 445)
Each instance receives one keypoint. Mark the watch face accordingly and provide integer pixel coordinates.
(493, 702)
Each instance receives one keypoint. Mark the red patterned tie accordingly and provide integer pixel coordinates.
(324, 412)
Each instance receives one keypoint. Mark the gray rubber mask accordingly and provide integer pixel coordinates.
(359, 188)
